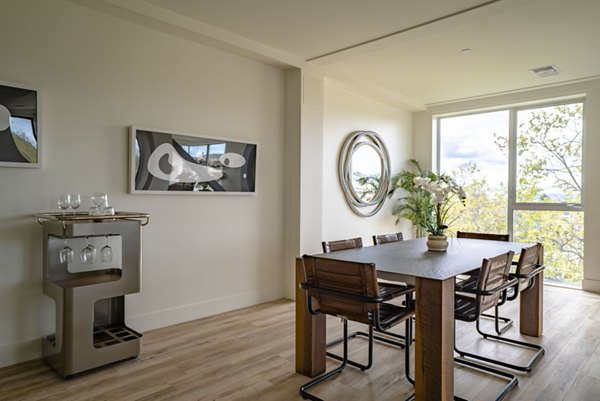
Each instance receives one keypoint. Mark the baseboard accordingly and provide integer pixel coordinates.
(168, 317)
(591, 285)
(20, 351)
(25, 350)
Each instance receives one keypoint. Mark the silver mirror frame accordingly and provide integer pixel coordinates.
(352, 142)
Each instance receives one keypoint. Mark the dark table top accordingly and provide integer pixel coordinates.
(411, 258)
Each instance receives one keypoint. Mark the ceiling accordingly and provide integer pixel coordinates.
(409, 51)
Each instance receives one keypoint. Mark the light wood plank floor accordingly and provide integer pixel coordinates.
(249, 355)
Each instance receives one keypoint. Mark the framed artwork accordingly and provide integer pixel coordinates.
(174, 162)
(20, 140)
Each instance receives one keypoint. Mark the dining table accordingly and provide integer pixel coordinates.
(433, 274)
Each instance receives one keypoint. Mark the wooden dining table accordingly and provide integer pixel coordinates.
(433, 274)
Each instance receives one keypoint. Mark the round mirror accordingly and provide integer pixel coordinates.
(363, 169)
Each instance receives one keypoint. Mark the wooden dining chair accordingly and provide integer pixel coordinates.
(387, 238)
(350, 291)
(470, 279)
(492, 284)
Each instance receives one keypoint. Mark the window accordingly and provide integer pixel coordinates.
(522, 171)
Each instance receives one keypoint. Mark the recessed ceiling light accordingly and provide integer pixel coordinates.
(546, 71)
(465, 51)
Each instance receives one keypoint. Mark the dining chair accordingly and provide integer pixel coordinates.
(492, 283)
(528, 269)
(388, 289)
(340, 245)
(469, 279)
(349, 290)
(387, 238)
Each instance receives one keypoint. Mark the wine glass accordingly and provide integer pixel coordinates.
(66, 254)
(88, 253)
(75, 202)
(64, 202)
(99, 200)
(106, 253)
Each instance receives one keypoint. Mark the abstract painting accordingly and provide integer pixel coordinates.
(171, 162)
(19, 129)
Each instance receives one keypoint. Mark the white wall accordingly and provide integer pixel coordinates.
(591, 163)
(345, 112)
(97, 75)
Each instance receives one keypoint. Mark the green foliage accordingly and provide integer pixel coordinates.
(549, 151)
(27, 149)
(368, 185)
(429, 201)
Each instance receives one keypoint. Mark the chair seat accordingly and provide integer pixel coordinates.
(468, 283)
(390, 315)
(465, 308)
(390, 290)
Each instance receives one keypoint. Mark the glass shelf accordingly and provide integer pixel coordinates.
(58, 216)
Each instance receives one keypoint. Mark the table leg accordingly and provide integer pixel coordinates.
(434, 335)
(310, 333)
(531, 321)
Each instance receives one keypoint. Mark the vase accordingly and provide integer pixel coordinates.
(437, 243)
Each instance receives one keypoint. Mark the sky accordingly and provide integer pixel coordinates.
(23, 125)
(471, 138)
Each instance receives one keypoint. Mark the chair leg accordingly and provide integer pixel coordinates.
(371, 337)
(496, 317)
(327, 375)
(512, 379)
(349, 361)
(525, 368)
(408, 331)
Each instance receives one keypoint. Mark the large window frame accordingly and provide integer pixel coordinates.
(512, 204)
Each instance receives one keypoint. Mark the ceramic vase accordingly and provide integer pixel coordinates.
(437, 243)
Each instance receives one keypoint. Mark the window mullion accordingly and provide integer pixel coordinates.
(512, 169)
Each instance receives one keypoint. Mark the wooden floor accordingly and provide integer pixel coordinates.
(249, 355)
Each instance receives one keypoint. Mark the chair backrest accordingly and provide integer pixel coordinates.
(332, 246)
(348, 277)
(529, 259)
(494, 272)
(488, 236)
(385, 238)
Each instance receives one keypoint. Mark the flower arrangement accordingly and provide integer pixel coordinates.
(430, 200)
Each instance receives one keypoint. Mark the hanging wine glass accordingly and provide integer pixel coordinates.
(75, 202)
(64, 202)
(66, 254)
(88, 253)
(106, 253)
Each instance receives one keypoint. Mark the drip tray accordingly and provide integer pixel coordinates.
(114, 335)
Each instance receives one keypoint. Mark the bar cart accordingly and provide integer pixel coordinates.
(89, 291)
